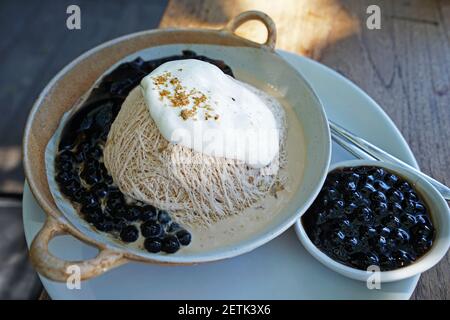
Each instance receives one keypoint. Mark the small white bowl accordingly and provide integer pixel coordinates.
(440, 216)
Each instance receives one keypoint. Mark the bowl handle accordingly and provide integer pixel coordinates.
(57, 269)
(245, 16)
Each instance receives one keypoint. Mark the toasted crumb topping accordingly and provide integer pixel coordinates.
(181, 97)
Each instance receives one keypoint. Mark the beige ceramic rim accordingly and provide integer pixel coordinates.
(42, 124)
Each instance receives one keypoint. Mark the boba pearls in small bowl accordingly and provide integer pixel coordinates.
(372, 213)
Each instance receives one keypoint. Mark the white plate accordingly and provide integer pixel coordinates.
(281, 269)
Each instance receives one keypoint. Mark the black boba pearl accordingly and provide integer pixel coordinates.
(395, 196)
(108, 179)
(378, 173)
(338, 208)
(89, 199)
(74, 194)
(102, 168)
(82, 152)
(422, 244)
(380, 208)
(356, 198)
(332, 194)
(91, 175)
(65, 177)
(404, 187)
(153, 245)
(337, 237)
(95, 152)
(368, 232)
(363, 260)
(173, 227)
(115, 202)
(401, 236)
(151, 229)
(163, 217)
(350, 208)
(391, 221)
(364, 215)
(332, 181)
(148, 212)
(391, 179)
(346, 226)
(324, 202)
(129, 234)
(367, 189)
(170, 244)
(114, 193)
(338, 251)
(423, 219)
(118, 212)
(353, 177)
(408, 220)
(419, 208)
(412, 196)
(379, 243)
(121, 87)
(351, 244)
(132, 213)
(403, 258)
(422, 230)
(100, 190)
(90, 208)
(380, 185)
(369, 179)
(387, 262)
(378, 196)
(349, 187)
(184, 237)
(410, 206)
(384, 231)
(322, 217)
(395, 208)
(72, 189)
(65, 166)
(80, 157)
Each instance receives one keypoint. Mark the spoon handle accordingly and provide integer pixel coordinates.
(365, 150)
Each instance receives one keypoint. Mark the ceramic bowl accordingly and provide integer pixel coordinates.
(440, 216)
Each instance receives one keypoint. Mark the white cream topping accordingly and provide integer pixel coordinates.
(195, 104)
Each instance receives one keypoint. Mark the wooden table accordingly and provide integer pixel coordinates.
(405, 67)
